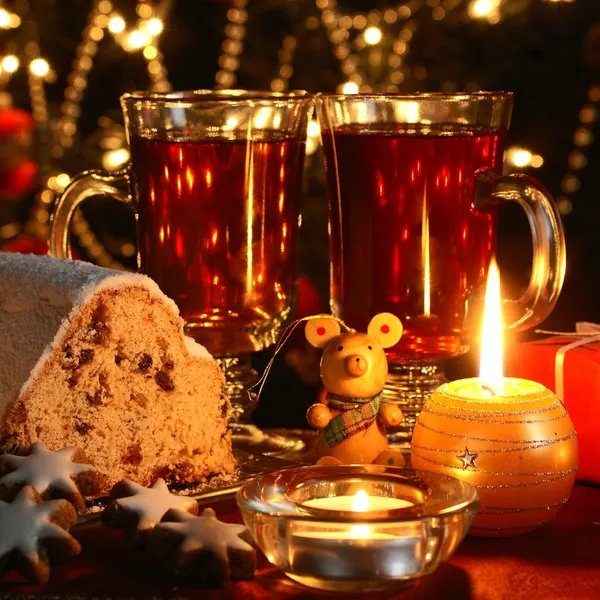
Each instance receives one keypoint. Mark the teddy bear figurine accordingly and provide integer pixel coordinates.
(350, 418)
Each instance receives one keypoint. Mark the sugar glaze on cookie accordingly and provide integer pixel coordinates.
(26, 524)
(43, 469)
(151, 504)
(206, 532)
(203, 548)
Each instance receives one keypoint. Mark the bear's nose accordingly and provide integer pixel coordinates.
(356, 365)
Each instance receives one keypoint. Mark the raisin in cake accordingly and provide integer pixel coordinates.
(97, 359)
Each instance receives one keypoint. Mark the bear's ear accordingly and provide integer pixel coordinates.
(386, 328)
(319, 331)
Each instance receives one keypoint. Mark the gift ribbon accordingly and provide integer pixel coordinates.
(588, 332)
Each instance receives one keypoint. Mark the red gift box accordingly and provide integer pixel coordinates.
(577, 371)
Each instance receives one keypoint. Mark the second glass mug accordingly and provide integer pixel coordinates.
(413, 183)
(215, 181)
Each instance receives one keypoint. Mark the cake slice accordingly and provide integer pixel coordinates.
(97, 359)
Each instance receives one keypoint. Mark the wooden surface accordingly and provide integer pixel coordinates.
(560, 561)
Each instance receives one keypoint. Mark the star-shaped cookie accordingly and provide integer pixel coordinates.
(203, 547)
(137, 509)
(32, 532)
(50, 474)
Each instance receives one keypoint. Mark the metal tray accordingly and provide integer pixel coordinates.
(220, 487)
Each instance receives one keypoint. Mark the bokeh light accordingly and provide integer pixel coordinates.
(350, 87)
(373, 35)
(116, 24)
(39, 67)
(10, 63)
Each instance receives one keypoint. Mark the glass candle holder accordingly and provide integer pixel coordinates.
(357, 528)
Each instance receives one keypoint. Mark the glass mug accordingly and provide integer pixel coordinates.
(413, 184)
(215, 181)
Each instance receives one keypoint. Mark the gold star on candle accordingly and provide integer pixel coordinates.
(467, 459)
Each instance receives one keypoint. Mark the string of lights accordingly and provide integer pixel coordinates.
(142, 37)
(233, 44)
(38, 69)
(361, 42)
(583, 138)
(93, 32)
(400, 49)
(156, 69)
(337, 27)
(286, 58)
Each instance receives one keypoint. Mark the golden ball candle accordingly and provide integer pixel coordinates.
(519, 449)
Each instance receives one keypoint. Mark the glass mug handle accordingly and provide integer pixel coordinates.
(549, 255)
(82, 187)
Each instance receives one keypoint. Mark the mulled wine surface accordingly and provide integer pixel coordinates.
(218, 230)
(406, 237)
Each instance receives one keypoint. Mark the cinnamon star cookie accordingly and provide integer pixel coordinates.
(32, 532)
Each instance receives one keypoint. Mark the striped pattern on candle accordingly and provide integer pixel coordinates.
(525, 451)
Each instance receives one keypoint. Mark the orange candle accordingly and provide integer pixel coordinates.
(510, 438)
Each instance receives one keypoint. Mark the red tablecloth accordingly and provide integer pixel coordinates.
(559, 561)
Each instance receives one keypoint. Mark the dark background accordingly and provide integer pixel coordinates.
(547, 52)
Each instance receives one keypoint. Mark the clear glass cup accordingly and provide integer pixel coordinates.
(414, 182)
(215, 181)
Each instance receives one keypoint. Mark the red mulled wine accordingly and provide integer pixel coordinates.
(406, 236)
(218, 231)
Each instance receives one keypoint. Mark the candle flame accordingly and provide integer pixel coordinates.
(425, 255)
(490, 365)
(360, 504)
(361, 501)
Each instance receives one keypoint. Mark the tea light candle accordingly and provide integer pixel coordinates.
(358, 549)
(361, 502)
(510, 438)
(362, 550)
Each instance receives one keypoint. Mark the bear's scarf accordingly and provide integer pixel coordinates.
(356, 415)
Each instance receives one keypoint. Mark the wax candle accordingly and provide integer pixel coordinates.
(357, 549)
(510, 438)
(348, 503)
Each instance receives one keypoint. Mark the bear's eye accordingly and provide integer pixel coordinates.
(370, 347)
(340, 348)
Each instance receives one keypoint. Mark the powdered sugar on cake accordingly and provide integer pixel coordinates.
(48, 299)
(97, 359)
(196, 349)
